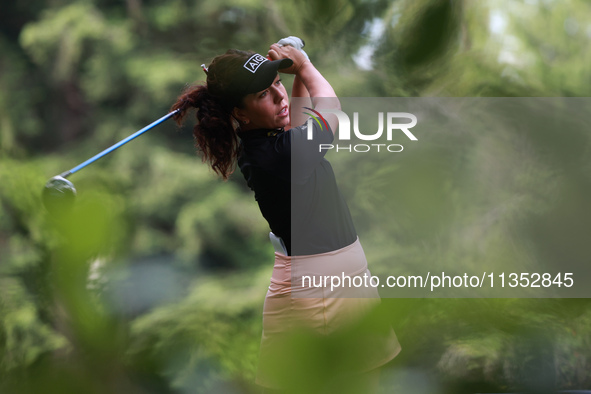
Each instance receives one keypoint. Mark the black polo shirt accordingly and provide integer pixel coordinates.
(296, 189)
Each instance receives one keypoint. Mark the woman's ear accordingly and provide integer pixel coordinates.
(240, 115)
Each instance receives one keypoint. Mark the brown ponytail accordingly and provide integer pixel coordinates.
(214, 133)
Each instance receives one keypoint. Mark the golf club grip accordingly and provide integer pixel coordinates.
(118, 144)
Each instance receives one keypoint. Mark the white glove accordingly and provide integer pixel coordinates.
(295, 42)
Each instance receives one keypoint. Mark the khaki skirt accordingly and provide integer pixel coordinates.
(307, 317)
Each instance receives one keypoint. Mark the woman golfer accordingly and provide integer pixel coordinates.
(244, 116)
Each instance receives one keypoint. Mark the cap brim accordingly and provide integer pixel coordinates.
(266, 74)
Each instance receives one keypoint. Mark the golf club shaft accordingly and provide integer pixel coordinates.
(118, 144)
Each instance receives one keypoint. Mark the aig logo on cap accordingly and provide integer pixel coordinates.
(253, 63)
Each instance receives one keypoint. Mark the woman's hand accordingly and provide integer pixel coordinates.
(287, 51)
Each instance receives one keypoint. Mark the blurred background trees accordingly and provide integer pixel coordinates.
(155, 282)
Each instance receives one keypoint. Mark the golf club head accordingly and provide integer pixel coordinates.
(59, 195)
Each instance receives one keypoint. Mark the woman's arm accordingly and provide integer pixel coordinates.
(300, 98)
(319, 89)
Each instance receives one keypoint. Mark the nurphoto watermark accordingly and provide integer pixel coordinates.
(393, 125)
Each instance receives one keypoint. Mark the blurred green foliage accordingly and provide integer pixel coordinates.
(155, 281)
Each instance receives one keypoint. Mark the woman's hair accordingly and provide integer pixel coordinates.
(214, 132)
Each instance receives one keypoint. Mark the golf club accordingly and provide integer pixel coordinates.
(59, 193)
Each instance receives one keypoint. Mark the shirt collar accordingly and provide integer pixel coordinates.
(260, 133)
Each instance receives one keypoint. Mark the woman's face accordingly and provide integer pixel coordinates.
(268, 109)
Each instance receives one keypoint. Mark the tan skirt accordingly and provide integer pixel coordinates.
(305, 321)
